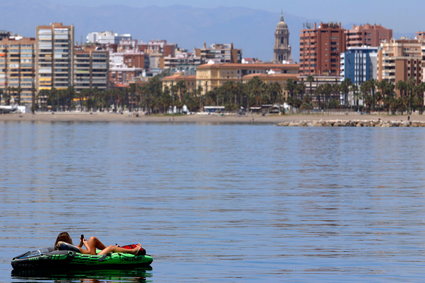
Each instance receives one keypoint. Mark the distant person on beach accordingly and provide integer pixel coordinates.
(64, 242)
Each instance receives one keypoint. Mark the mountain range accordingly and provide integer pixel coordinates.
(252, 30)
(249, 29)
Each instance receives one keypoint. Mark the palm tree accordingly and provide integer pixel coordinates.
(291, 86)
(403, 89)
(255, 89)
(345, 88)
(33, 100)
(274, 93)
(355, 91)
(310, 80)
(368, 89)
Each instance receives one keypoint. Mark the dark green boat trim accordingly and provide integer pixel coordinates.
(58, 259)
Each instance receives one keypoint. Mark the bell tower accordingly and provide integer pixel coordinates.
(282, 49)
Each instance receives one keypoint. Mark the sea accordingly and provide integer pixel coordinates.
(218, 203)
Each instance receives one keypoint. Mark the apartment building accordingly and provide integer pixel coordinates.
(219, 53)
(91, 68)
(183, 61)
(107, 37)
(54, 56)
(320, 49)
(367, 35)
(158, 47)
(17, 68)
(359, 64)
(125, 67)
(400, 60)
(210, 76)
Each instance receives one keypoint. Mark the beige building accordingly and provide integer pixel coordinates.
(210, 76)
(54, 53)
(90, 68)
(400, 60)
(17, 68)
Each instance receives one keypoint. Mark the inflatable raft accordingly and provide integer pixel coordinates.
(50, 258)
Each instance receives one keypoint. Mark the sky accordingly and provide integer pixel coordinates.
(404, 16)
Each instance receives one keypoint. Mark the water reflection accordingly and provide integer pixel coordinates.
(86, 276)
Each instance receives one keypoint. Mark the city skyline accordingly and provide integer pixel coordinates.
(187, 25)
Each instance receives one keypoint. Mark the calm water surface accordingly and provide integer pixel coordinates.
(220, 202)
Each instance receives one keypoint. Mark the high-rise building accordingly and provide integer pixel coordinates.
(90, 68)
(219, 53)
(367, 35)
(282, 49)
(320, 49)
(358, 64)
(400, 60)
(17, 68)
(54, 56)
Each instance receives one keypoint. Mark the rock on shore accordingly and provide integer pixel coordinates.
(352, 123)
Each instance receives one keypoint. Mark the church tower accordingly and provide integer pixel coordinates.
(282, 49)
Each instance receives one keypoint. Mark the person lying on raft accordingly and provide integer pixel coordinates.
(64, 242)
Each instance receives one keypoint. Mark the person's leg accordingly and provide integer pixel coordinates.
(94, 243)
(116, 249)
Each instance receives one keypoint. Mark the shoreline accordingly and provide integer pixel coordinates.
(291, 120)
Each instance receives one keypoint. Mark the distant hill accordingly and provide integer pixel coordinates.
(249, 29)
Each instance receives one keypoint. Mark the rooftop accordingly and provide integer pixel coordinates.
(248, 66)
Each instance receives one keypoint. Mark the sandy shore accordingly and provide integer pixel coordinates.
(201, 119)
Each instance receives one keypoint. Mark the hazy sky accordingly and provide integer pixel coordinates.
(404, 16)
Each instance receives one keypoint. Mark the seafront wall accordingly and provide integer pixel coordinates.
(353, 123)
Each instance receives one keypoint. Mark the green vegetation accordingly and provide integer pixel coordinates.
(151, 97)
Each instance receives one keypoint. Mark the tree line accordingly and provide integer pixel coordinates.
(151, 97)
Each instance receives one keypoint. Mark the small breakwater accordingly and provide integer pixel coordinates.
(353, 123)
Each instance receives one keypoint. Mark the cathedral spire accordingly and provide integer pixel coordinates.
(282, 18)
(282, 49)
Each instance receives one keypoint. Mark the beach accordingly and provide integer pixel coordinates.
(321, 119)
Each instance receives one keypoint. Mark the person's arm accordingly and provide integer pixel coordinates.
(81, 241)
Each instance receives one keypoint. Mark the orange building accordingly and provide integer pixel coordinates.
(320, 49)
(368, 35)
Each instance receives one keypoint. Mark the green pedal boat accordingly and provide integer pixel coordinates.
(50, 258)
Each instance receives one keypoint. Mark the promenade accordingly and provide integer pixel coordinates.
(301, 120)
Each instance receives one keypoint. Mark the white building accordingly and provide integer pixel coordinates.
(107, 37)
(359, 64)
